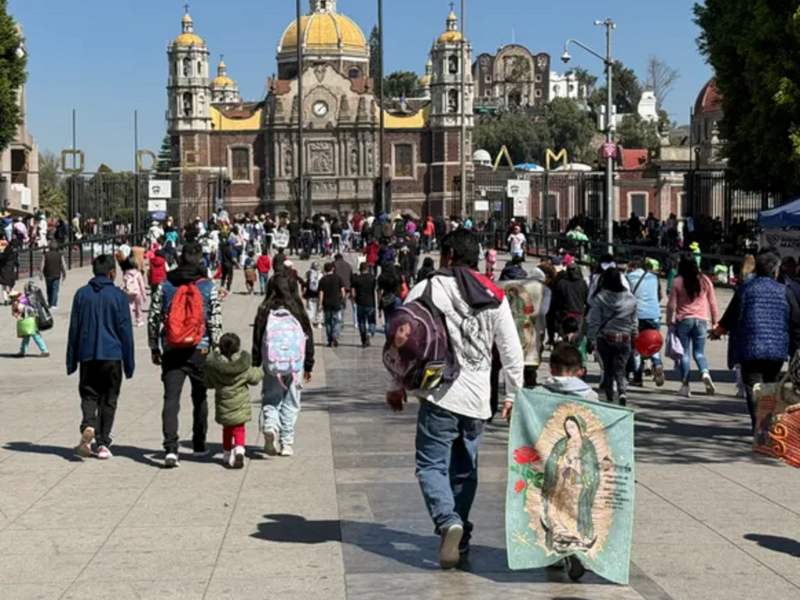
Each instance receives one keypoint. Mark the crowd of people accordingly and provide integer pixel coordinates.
(369, 267)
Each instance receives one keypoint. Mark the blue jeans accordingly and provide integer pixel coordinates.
(694, 331)
(366, 322)
(333, 324)
(263, 278)
(387, 315)
(280, 406)
(638, 363)
(53, 285)
(447, 465)
(38, 340)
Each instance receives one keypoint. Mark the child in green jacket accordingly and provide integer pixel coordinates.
(229, 373)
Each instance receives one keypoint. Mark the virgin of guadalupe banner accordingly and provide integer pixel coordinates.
(570, 484)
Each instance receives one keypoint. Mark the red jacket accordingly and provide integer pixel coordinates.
(158, 270)
(263, 264)
(371, 251)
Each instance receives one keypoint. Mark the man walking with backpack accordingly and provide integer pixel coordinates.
(454, 407)
(186, 323)
(331, 301)
(101, 345)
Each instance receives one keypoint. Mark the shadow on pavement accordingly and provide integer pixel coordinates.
(775, 543)
(139, 455)
(411, 549)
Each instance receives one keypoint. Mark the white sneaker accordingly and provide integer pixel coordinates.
(103, 453)
(287, 450)
(171, 461)
(711, 389)
(238, 457)
(226, 458)
(84, 447)
(685, 392)
(272, 446)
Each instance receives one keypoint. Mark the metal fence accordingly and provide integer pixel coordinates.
(556, 197)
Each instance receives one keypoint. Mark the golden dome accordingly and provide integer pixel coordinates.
(325, 32)
(450, 37)
(425, 81)
(188, 39)
(451, 17)
(429, 64)
(223, 81)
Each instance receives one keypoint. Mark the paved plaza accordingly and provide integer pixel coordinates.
(344, 518)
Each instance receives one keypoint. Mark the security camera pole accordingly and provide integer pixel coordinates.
(609, 151)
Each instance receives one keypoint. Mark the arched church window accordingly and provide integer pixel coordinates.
(452, 63)
(199, 68)
(188, 108)
(187, 67)
(354, 73)
(452, 101)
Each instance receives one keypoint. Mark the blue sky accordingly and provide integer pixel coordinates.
(107, 58)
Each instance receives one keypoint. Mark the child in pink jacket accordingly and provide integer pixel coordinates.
(134, 287)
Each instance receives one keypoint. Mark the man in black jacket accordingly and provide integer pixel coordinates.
(54, 272)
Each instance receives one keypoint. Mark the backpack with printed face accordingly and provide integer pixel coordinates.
(185, 325)
(313, 280)
(418, 350)
(283, 347)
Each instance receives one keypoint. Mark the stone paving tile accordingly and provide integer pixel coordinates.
(304, 587)
(344, 518)
(143, 589)
(32, 591)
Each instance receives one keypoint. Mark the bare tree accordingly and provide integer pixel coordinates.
(660, 78)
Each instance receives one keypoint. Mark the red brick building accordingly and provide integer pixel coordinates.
(242, 155)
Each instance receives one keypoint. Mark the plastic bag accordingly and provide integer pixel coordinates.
(26, 327)
(673, 346)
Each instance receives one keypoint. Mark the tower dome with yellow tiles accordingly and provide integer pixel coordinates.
(452, 35)
(188, 37)
(324, 31)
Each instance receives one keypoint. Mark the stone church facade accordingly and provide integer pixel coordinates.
(243, 156)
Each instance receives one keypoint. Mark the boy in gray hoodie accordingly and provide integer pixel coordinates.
(566, 369)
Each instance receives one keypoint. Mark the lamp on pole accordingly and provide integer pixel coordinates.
(382, 117)
(463, 109)
(609, 121)
(301, 184)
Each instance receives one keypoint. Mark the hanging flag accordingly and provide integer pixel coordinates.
(570, 484)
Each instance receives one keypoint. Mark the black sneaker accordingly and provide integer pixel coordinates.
(623, 400)
(575, 570)
(200, 450)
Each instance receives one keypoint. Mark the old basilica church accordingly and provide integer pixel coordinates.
(242, 154)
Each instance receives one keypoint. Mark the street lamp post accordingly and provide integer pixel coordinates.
(609, 124)
(301, 191)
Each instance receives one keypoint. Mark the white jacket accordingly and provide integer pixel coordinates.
(472, 333)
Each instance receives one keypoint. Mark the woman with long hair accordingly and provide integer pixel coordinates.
(280, 396)
(691, 302)
(613, 323)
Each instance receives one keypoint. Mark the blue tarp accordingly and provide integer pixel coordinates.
(785, 215)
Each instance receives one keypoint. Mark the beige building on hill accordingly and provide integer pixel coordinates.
(19, 164)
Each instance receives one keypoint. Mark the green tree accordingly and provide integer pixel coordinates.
(754, 48)
(526, 139)
(164, 164)
(570, 128)
(52, 188)
(375, 57)
(586, 82)
(627, 91)
(636, 133)
(12, 77)
(400, 83)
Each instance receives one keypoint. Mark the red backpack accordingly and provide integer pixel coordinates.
(185, 324)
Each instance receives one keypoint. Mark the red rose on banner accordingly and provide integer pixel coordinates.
(525, 455)
(519, 486)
